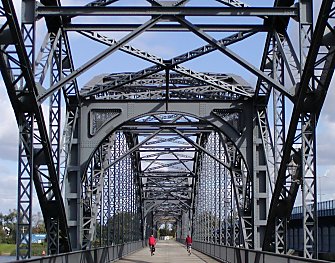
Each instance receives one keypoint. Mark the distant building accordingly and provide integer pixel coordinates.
(326, 230)
(38, 238)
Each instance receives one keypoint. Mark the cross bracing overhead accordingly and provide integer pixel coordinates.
(199, 114)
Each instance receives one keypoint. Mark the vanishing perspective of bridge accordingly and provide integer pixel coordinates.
(214, 136)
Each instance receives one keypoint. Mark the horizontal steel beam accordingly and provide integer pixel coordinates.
(166, 159)
(174, 150)
(165, 147)
(185, 131)
(165, 177)
(166, 199)
(166, 11)
(167, 124)
(166, 27)
(167, 173)
(167, 187)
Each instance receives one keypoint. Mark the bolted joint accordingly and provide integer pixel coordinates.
(282, 209)
(39, 157)
(311, 102)
(26, 100)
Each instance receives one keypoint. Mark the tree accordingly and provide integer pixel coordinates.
(120, 228)
(8, 227)
(167, 231)
(38, 226)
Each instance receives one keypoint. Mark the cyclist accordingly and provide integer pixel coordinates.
(152, 243)
(188, 242)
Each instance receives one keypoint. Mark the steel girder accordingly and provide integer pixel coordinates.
(74, 74)
(172, 64)
(164, 27)
(299, 149)
(37, 164)
(278, 56)
(111, 212)
(212, 223)
(166, 11)
(103, 121)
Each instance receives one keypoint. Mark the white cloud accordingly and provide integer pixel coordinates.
(8, 190)
(8, 198)
(8, 128)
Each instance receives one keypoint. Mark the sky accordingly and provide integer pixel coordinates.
(166, 46)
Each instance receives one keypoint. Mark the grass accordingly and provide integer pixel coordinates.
(10, 249)
(7, 249)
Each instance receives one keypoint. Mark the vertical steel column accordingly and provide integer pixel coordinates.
(221, 186)
(129, 210)
(108, 201)
(260, 188)
(216, 191)
(123, 198)
(55, 104)
(26, 145)
(307, 122)
(206, 196)
(118, 203)
(305, 29)
(227, 199)
(199, 228)
(279, 138)
(115, 193)
(54, 135)
(25, 190)
(309, 188)
(242, 186)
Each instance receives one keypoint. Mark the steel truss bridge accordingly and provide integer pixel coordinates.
(207, 152)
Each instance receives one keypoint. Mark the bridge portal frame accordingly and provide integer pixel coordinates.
(247, 141)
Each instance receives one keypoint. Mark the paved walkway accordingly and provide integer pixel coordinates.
(167, 252)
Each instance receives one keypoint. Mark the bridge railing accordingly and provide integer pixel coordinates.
(241, 255)
(96, 255)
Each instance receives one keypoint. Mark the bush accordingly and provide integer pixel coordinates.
(38, 248)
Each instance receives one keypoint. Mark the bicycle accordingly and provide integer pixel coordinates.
(189, 249)
(152, 250)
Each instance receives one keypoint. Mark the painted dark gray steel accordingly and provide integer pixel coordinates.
(166, 11)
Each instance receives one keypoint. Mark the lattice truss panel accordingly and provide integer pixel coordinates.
(111, 207)
(222, 205)
(166, 154)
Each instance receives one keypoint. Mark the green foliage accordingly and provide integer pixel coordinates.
(37, 249)
(120, 228)
(8, 227)
(2, 235)
(10, 249)
(38, 226)
(166, 231)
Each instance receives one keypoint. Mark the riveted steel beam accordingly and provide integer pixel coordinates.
(98, 58)
(166, 11)
(165, 27)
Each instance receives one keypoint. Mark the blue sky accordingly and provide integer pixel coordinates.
(166, 46)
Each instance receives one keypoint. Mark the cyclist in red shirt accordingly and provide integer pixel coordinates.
(152, 243)
(188, 242)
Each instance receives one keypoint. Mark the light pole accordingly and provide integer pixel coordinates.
(319, 183)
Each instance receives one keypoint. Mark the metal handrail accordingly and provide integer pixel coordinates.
(242, 255)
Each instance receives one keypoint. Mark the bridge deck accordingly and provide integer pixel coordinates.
(167, 251)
